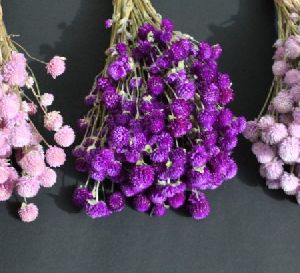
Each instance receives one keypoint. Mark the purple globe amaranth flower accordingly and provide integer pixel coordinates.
(120, 137)
(224, 82)
(144, 30)
(158, 211)
(185, 89)
(204, 51)
(80, 196)
(138, 141)
(178, 155)
(135, 83)
(180, 108)
(114, 169)
(163, 62)
(116, 70)
(108, 23)
(226, 96)
(165, 141)
(159, 156)
(177, 200)
(210, 96)
(156, 122)
(239, 124)
(97, 209)
(180, 127)
(198, 156)
(141, 203)
(207, 119)
(228, 143)
(225, 117)
(90, 100)
(98, 175)
(122, 49)
(170, 190)
(132, 156)
(116, 201)
(102, 83)
(198, 205)
(167, 24)
(156, 85)
(110, 98)
(216, 51)
(82, 125)
(209, 138)
(180, 50)
(200, 180)
(156, 196)
(142, 176)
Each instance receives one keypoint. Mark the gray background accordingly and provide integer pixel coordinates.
(251, 229)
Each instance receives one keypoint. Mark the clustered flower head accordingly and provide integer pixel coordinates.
(276, 132)
(20, 141)
(159, 132)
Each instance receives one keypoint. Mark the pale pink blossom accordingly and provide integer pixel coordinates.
(53, 121)
(65, 136)
(47, 178)
(265, 121)
(288, 149)
(47, 99)
(9, 106)
(274, 134)
(273, 169)
(294, 129)
(33, 163)
(14, 71)
(292, 48)
(6, 190)
(295, 92)
(4, 174)
(56, 66)
(28, 212)
(263, 152)
(289, 183)
(292, 77)
(296, 115)
(55, 156)
(279, 53)
(251, 131)
(273, 184)
(279, 68)
(20, 135)
(27, 187)
(283, 102)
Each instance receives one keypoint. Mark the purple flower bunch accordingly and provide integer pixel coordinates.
(158, 133)
(276, 132)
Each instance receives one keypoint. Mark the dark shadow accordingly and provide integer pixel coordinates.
(12, 206)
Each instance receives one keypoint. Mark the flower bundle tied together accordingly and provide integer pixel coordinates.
(276, 132)
(20, 141)
(158, 132)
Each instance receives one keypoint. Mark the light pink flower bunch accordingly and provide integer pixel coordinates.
(20, 141)
(275, 134)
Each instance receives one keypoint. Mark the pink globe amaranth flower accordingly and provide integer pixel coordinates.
(9, 106)
(296, 115)
(32, 108)
(47, 178)
(27, 187)
(36, 137)
(55, 156)
(289, 183)
(265, 121)
(292, 77)
(263, 152)
(14, 71)
(279, 43)
(5, 147)
(286, 119)
(46, 99)
(6, 190)
(53, 121)
(32, 163)
(4, 174)
(28, 212)
(292, 48)
(20, 136)
(283, 102)
(274, 134)
(288, 149)
(273, 169)
(295, 93)
(251, 132)
(56, 66)
(294, 130)
(273, 184)
(279, 68)
(65, 136)
(279, 53)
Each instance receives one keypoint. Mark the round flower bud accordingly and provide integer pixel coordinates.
(28, 212)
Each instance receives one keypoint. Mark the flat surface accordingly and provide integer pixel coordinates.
(251, 229)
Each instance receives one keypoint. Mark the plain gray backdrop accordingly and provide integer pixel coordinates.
(250, 229)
